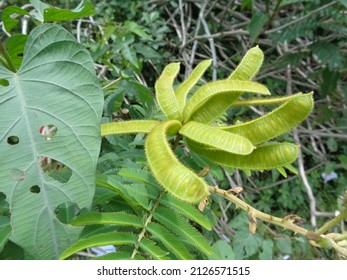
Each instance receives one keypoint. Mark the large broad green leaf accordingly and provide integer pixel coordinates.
(56, 87)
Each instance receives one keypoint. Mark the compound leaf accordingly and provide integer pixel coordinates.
(177, 224)
(110, 238)
(170, 241)
(113, 218)
(153, 249)
(187, 210)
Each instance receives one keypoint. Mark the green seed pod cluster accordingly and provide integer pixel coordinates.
(244, 146)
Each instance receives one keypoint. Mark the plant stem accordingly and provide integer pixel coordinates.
(282, 222)
(330, 224)
(341, 237)
(275, 12)
(3, 61)
(111, 83)
(9, 65)
(147, 222)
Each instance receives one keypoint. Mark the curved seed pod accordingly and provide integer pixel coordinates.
(177, 179)
(246, 70)
(263, 101)
(136, 126)
(229, 89)
(267, 156)
(217, 138)
(165, 93)
(249, 65)
(182, 91)
(279, 121)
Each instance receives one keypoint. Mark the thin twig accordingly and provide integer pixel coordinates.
(312, 199)
(211, 41)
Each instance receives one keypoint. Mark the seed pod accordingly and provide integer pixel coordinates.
(165, 93)
(279, 121)
(177, 179)
(200, 109)
(134, 126)
(264, 157)
(217, 138)
(182, 91)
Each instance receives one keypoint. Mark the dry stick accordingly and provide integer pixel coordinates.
(78, 28)
(174, 23)
(219, 34)
(306, 131)
(184, 37)
(312, 200)
(25, 23)
(211, 41)
(184, 32)
(313, 142)
(195, 45)
(230, 180)
(282, 222)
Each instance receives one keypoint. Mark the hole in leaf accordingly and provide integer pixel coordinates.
(35, 189)
(55, 169)
(13, 140)
(20, 55)
(48, 131)
(66, 211)
(4, 206)
(2, 196)
(4, 83)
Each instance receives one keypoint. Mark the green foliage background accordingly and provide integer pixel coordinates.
(305, 50)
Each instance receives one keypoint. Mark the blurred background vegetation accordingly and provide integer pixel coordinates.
(305, 46)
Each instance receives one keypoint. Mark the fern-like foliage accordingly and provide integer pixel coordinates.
(142, 221)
